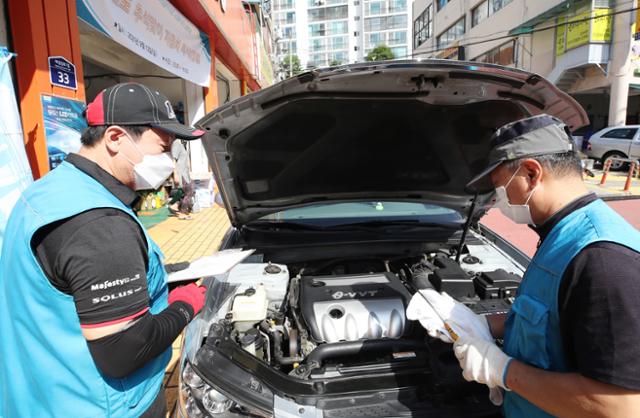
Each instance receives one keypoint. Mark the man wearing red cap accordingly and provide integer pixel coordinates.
(85, 313)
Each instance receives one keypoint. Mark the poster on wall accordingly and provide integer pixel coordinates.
(15, 173)
(63, 125)
(156, 31)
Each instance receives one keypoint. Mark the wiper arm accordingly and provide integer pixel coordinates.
(406, 222)
(294, 226)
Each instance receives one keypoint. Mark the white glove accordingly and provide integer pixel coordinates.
(482, 361)
(462, 319)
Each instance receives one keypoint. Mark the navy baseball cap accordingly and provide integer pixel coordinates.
(136, 104)
(530, 137)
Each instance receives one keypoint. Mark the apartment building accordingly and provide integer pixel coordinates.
(583, 46)
(333, 32)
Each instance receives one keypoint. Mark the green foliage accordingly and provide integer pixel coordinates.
(380, 53)
(294, 66)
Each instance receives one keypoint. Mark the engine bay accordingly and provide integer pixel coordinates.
(340, 317)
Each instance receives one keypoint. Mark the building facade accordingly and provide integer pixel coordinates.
(332, 32)
(585, 47)
(199, 54)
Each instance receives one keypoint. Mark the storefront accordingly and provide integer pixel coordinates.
(76, 48)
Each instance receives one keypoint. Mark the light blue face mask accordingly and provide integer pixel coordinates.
(520, 214)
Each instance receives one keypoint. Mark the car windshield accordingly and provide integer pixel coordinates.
(355, 212)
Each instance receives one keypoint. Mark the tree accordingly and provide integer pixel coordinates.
(292, 69)
(380, 53)
(335, 63)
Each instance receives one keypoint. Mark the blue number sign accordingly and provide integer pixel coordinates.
(62, 73)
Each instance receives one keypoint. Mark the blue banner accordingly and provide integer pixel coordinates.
(15, 173)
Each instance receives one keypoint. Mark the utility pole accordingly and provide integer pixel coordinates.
(290, 63)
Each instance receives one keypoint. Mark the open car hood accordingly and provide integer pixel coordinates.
(400, 130)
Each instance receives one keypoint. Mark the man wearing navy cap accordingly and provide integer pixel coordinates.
(571, 338)
(86, 317)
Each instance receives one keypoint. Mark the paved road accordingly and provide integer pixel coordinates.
(525, 239)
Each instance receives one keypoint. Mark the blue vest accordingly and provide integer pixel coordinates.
(47, 370)
(532, 330)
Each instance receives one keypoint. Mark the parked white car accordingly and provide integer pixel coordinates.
(615, 142)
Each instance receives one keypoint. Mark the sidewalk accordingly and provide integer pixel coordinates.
(614, 186)
(187, 240)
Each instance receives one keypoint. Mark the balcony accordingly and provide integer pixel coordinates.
(571, 65)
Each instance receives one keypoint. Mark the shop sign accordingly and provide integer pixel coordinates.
(601, 28)
(62, 73)
(578, 30)
(583, 28)
(156, 31)
(63, 125)
(560, 36)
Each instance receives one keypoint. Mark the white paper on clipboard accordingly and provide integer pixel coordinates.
(218, 263)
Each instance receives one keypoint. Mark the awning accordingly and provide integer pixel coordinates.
(527, 26)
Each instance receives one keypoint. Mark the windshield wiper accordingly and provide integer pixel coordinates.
(404, 223)
(351, 226)
(294, 226)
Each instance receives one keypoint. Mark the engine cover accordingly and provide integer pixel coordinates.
(354, 307)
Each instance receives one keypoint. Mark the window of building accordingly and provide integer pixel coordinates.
(480, 13)
(317, 3)
(338, 58)
(456, 31)
(328, 13)
(338, 28)
(442, 3)
(317, 29)
(372, 24)
(289, 32)
(285, 18)
(339, 42)
(374, 8)
(400, 52)
(283, 4)
(397, 6)
(486, 9)
(397, 22)
(283, 47)
(503, 54)
(422, 26)
(397, 38)
(374, 39)
(317, 60)
(318, 44)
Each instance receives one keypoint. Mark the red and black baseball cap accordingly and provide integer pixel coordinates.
(136, 104)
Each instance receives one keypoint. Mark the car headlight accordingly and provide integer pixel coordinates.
(198, 399)
(215, 402)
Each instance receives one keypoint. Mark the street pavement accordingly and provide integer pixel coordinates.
(525, 239)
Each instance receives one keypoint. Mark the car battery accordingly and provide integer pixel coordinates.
(451, 278)
(497, 284)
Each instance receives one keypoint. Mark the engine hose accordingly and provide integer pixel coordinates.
(277, 351)
(320, 354)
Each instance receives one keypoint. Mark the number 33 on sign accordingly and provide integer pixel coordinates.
(62, 73)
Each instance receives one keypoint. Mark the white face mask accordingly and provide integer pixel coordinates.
(520, 214)
(152, 171)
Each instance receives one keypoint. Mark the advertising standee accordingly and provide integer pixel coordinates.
(63, 124)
